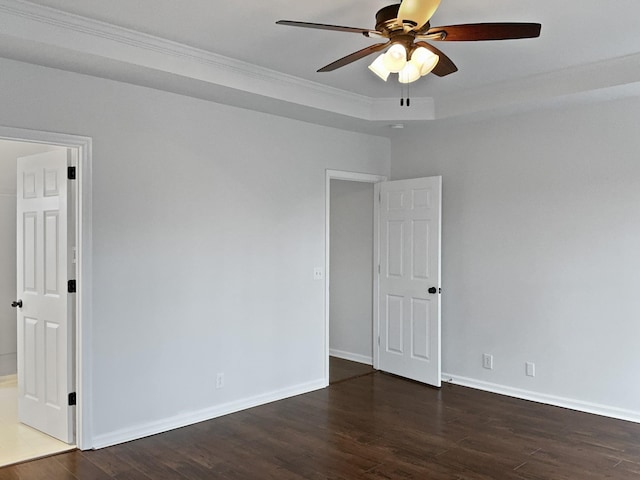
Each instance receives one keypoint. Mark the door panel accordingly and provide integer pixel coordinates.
(409, 254)
(420, 249)
(30, 348)
(29, 242)
(44, 321)
(395, 315)
(421, 321)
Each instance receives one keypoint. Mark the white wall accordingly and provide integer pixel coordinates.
(351, 258)
(9, 152)
(541, 257)
(208, 222)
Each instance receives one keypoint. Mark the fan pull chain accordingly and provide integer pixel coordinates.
(402, 96)
(404, 100)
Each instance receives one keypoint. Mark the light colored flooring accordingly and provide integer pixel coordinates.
(17, 441)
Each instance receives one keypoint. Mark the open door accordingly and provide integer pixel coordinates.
(44, 308)
(407, 294)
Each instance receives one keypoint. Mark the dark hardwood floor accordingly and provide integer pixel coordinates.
(341, 370)
(371, 427)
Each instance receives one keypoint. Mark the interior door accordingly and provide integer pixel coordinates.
(44, 307)
(408, 290)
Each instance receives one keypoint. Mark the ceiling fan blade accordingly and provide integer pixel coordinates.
(354, 56)
(486, 31)
(417, 12)
(322, 26)
(445, 65)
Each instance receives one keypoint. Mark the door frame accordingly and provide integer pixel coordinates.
(352, 177)
(84, 271)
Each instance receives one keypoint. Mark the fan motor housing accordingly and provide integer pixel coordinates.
(387, 19)
(387, 22)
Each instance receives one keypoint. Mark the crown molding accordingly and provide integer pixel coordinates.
(604, 80)
(83, 45)
(34, 23)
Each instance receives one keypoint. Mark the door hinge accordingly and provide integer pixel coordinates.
(72, 399)
(71, 173)
(71, 286)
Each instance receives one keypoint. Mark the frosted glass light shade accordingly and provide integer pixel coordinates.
(417, 11)
(410, 73)
(424, 60)
(379, 69)
(395, 59)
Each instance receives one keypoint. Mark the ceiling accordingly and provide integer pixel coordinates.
(574, 33)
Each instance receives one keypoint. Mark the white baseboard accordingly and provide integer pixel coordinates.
(354, 357)
(182, 420)
(580, 406)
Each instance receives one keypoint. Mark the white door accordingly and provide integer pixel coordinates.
(408, 290)
(44, 327)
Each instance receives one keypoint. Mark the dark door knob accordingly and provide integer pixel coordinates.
(433, 290)
(17, 304)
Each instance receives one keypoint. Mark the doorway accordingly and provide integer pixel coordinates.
(350, 270)
(16, 143)
(19, 441)
(407, 225)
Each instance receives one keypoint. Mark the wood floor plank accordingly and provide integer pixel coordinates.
(110, 461)
(43, 469)
(371, 427)
(341, 370)
(80, 467)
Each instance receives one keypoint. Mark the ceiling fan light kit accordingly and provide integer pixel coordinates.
(379, 69)
(409, 74)
(421, 63)
(425, 60)
(395, 59)
(406, 27)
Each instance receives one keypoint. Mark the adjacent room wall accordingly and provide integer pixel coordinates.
(7, 264)
(9, 152)
(208, 222)
(351, 280)
(541, 228)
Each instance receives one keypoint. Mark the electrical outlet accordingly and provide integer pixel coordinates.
(318, 274)
(531, 369)
(220, 380)
(487, 361)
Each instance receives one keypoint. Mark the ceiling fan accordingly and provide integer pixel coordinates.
(406, 27)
